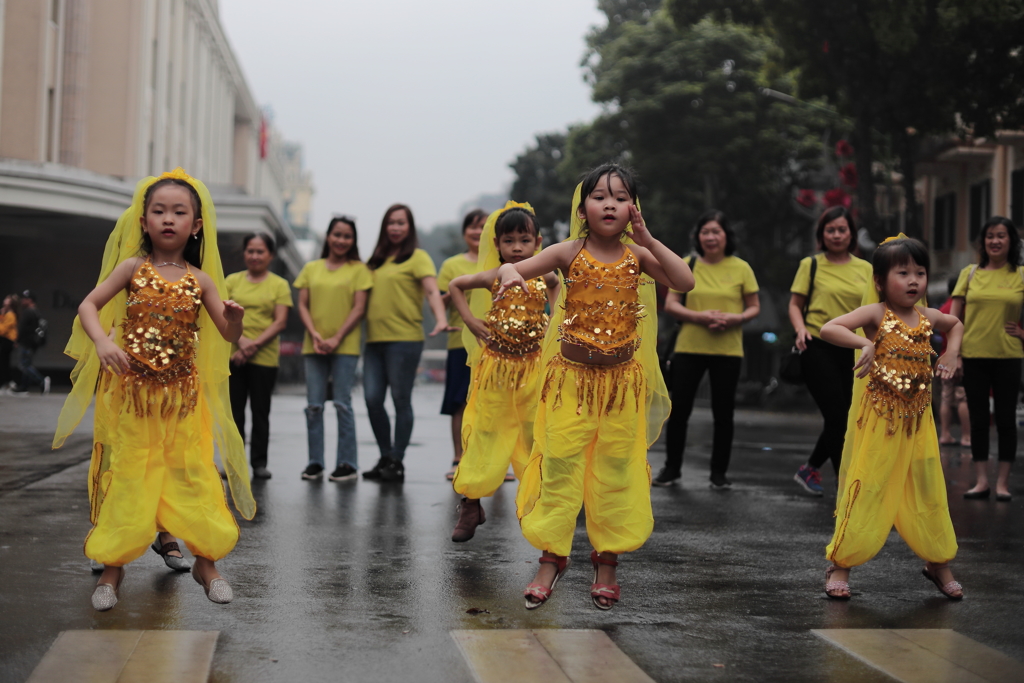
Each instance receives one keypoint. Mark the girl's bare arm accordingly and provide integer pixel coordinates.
(111, 356)
(556, 257)
(226, 314)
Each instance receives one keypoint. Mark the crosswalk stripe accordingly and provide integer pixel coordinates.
(546, 655)
(926, 655)
(127, 657)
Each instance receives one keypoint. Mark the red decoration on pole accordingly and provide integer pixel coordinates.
(837, 197)
(807, 198)
(844, 149)
(848, 174)
(264, 137)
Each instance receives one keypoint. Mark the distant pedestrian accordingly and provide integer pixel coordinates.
(954, 398)
(891, 469)
(8, 336)
(456, 372)
(603, 398)
(503, 337)
(31, 337)
(988, 298)
(710, 341)
(266, 298)
(403, 277)
(333, 292)
(153, 346)
(827, 285)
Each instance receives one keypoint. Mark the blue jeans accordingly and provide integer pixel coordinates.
(30, 377)
(390, 364)
(342, 370)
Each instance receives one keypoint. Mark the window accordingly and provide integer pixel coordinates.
(944, 227)
(980, 206)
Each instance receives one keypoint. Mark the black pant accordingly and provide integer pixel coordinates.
(255, 383)
(6, 346)
(687, 371)
(828, 372)
(1002, 377)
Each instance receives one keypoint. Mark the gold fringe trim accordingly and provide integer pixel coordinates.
(854, 491)
(504, 371)
(893, 408)
(148, 394)
(597, 386)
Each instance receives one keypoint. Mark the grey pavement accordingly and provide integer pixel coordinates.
(360, 582)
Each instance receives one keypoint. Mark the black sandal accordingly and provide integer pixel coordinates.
(178, 564)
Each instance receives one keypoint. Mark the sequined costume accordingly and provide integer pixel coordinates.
(159, 472)
(498, 422)
(891, 471)
(591, 434)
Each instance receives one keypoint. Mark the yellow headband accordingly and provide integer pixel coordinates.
(900, 236)
(517, 205)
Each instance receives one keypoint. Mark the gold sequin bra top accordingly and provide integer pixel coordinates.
(602, 305)
(900, 383)
(517, 321)
(160, 328)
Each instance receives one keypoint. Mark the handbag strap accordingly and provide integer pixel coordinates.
(693, 262)
(810, 287)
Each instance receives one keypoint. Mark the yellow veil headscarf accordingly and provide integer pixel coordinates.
(212, 354)
(658, 405)
(488, 257)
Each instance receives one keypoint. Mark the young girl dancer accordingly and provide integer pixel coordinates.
(161, 335)
(891, 472)
(498, 422)
(603, 400)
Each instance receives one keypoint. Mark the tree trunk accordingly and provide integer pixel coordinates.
(908, 156)
(864, 157)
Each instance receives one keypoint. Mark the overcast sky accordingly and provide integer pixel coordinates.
(423, 103)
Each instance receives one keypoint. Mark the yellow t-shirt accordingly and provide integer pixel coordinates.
(259, 300)
(331, 293)
(452, 268)
(719, 286)
(9, 326)
(396, 306)
(993, 298)
(838, 288)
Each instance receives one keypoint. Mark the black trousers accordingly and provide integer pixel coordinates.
(255, 384)
(687, 371)
(6, 347)
(828, 373)
(1002, 377)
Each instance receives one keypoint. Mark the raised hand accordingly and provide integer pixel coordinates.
(867, 355)
(233, 313)
(639, 232)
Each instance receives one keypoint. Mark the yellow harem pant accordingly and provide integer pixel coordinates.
(590, 449)
(155, 473)
(497, 425)
(888, 480)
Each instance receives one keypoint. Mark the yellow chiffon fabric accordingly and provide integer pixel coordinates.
(183, 445)
(594, 426)
(891, 474)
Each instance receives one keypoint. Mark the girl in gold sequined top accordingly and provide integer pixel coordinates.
(603, 399)
(157, 416)
(503, 339)
(891, 473)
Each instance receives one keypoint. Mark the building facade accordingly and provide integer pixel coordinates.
(96, 94)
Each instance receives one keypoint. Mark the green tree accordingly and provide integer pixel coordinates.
(540, 182)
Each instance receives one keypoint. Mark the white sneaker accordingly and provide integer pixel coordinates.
(46, 385)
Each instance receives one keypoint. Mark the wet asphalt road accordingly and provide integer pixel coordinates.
(359, 581)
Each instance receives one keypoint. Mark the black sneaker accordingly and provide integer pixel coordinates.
(666, 477)
(343, 472)
(263, 473)
(374, 474)
(720, 482)
(392, 471)
(313, 472)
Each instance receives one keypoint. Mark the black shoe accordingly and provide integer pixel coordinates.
(392, 471)
(720, 482)
(313, 472)
(374, 474)
(666, 477)
(978, 495)
(343, 472)
(1004, 497)
(261, 473)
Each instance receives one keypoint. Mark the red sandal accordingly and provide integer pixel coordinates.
(542, 593)
(603, 590)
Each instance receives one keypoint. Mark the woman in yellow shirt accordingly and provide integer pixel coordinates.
(839, 282)
(266, 298)
(403, 276)
(711, 340)
(988, 298)
(332, 301)
(8, 335)
(456, 372)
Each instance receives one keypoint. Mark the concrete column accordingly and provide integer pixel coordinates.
(74, 107)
